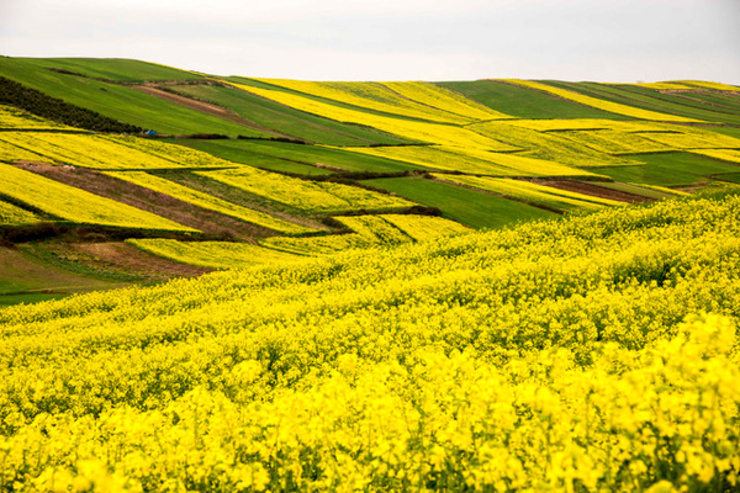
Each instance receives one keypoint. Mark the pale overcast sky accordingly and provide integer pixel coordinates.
(604, 40)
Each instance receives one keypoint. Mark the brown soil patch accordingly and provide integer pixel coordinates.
(207, 221)
(132, 260)
(592, 190)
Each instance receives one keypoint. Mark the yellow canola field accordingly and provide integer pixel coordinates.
(695, 139)
(15, 119)
(102, 151)
(206, 201)
(218, 255)
(430, 94)
(76, 205)
(371, 96)
(472, 161)
(549, 146)
(619, 109)
(422, 228)
(12, 215)
(435, 133)
(532, 192)
(316, 197)
(594, 353)
(730, 155)
(615, 142)
(374, 228)
(717, 86)
(550, 125)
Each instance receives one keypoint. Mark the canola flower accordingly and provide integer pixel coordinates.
(13, 215)
(590, 353)
(76, 205)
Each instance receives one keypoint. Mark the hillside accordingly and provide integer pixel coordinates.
(117, 172)
(582, 353)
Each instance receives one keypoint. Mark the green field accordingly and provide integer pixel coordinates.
(522, 102)
(478, 210)
(295, 158)
(652, 100)
(669, 169)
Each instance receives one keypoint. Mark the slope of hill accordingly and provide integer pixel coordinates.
(244, 171)
(560, 354)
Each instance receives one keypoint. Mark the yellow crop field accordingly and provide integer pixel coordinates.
(592, 124)
(375, 229)
(717, 86)
(444, 99)
(550, 146)
(591, 353)
(369, 95)
(695, 139)
(434, 133)
(88, 151)
(422, 228)
(613, 142)
(619, 109)
(473, 161)
(731, 155)
(319, 245)
(206, 201)
(76, 205)
(10, 152)
(13, 118)
(11, 215)
(218, 255)
(532, 192)
(661, 86)
(316, 197)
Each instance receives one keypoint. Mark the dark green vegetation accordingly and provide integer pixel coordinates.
(14, 94)
(120, 102)
(469, 207)
(669, 169)
(522, 102)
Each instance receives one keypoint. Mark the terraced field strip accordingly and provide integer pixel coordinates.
(12, 215)
(617, 108)
(418, 131)
(76, 205)
(14, 119)
(318, 245)
(428, 94)
(716, 86)
(375, 229)
(281, 119)
(422, 228)
(313, 197)
(521, 102)
(729, 155)
(475, 161)
(532, 193)
(549, 146)
(219, 255)
(672, 169)
(210, 202)
(371, 96)
(468, 207)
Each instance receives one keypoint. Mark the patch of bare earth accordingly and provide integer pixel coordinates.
(181, 212)
(592, 190)
(134, 261)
